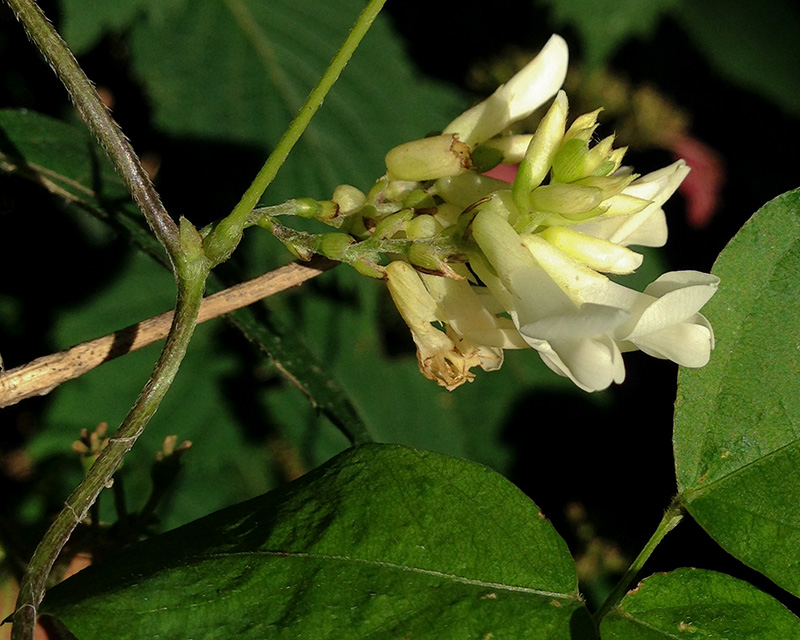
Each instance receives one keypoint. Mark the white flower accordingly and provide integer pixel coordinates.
(664, 321)
(573, 340)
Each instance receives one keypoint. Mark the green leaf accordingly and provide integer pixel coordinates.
(605, 25)
(383, 541)
(238, 71)
(737, 421)
(753, 44)
(693, 603)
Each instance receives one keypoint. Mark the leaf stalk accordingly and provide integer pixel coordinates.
(672, 517)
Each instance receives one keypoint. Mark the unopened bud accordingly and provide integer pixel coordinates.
(600, 255)
(370, 269)
(306, 207)
(349, 199)
(570, 163)
(429, 159)
(565, 198)
(423, 226)
(334, 245)
(427, 257)
(393, 223)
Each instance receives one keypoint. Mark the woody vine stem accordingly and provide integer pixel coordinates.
(190, 256)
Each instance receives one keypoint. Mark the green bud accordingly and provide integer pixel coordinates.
(370, 269)
(329, 213)
(422, 226)
(419, 199)
(397, 191)
(565, 198)
(429, 158)
(349, 199)
(447, 214)
(461, 191)
(570, 162)
(333, 245)
(426, 257)
(393, 223)
(306, 207)
(540, 153)
(486, 157)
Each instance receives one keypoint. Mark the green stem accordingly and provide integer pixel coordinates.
(96, 116)
(191, 283)
(672, 516)
(221, 243)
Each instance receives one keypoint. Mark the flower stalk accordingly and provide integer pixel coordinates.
(221, 242)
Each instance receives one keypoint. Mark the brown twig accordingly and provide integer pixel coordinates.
(40, 376)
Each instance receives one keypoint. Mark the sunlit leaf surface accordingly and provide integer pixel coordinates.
(693, 603)
(381, 542)
(737, 423)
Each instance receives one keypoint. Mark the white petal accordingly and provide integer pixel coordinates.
(675, 305)
(686, 343)
(673, 280)
(592, 364)
(590, 320)
(530, 88)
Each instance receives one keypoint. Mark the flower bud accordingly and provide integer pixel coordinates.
(393, 223)
(427, 257)
(467, 188)
(349, 199)
(306, 207)
(422, 227)
(565, 198)
(542, 149)
(570, 163)
(429, 158)
(600, 255)
(334, 245)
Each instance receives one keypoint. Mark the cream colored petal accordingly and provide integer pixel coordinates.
(687, 344)
(592, 364)
(530, 88)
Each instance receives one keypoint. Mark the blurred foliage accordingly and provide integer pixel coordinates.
(752, 44)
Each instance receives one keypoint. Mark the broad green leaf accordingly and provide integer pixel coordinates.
(694, 603)
(605, 25)
(383, 541)
(737, 421)
(239, 70)
(731, 38)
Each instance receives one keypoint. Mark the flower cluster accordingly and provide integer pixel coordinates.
(478, 265)
(540, 251)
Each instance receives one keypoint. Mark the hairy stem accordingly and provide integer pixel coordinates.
(96, 116)
(672, 516)
(223, 240)
(191, 268)
(190, 292)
